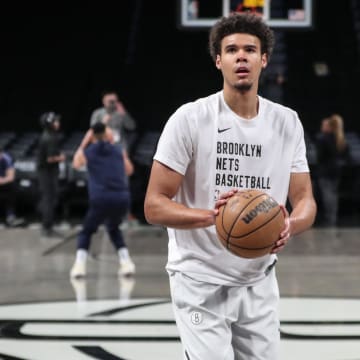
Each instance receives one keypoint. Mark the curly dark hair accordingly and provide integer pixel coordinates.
(248, 23)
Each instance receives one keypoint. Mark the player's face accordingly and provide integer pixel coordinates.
(241, 61)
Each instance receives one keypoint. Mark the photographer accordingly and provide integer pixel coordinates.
(115, 116)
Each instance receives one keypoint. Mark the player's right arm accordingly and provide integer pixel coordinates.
(161, 209)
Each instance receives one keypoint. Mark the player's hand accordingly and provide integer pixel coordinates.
(224, 197)
(285, 234)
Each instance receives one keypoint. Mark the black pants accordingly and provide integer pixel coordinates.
(110, 213)
(329, 191)
(49, 192)
(7, 198)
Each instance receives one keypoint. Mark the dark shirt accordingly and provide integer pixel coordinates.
(49, 145)
(106, 172)
(6, 163)
(330, 159)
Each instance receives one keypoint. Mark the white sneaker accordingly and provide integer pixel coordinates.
(126, 267)
(126, 286)
(78, 270)
(79, 286)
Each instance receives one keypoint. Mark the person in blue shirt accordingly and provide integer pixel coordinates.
(108, 169)
(7, 189)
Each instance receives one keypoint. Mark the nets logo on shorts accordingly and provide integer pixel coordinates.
(196, 317)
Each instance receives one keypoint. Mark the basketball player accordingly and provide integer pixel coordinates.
(226, 307)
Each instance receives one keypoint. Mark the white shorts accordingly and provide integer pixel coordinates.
(217, 322)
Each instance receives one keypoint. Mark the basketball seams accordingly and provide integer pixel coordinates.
(251, 249)
(240, 212)
(231, 218)
(227, 240)
(223, 227)
(259, 227)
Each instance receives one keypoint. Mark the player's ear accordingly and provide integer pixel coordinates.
(264, 60)
(218, 62)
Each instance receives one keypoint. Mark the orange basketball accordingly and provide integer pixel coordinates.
(250, 223)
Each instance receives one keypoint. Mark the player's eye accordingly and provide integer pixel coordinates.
(250, 49)
(230, 50)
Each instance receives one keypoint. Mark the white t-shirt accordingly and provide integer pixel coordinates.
(217, 151)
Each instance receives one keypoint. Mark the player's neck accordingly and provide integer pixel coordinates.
(244, 104)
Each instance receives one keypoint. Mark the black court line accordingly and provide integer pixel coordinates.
(97, 352)
(11, 329)
(65, 240)
(125, 308)
(8, 357)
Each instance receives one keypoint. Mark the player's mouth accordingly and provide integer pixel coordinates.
(242, 71)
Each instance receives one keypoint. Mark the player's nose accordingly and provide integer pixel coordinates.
(241, 56)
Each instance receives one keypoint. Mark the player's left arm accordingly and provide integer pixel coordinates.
(302, 202)
(303, 206)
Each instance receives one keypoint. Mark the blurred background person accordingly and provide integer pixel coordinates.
(8, 189)
(271, 85)
(109, 198)
(332, 151)
(115, 116)
(49, 156)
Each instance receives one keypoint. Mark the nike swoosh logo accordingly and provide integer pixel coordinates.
(222, 130)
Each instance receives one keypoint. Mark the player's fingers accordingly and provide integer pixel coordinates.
(279, 245)
(277, 249)
(286, 231)
(284, 210)
(220, 202)
(228, 194)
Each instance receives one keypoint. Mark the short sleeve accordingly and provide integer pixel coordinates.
(175, 146)
(299, 162)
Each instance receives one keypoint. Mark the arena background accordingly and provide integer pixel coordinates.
(61, 58)
(56, 57)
